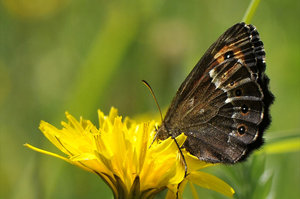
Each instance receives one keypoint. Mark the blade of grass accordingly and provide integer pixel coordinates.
(282, 142)
(103, 60)
(283, 146)
(250, 11)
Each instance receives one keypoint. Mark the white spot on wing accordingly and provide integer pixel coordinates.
(262, 115)
(217, 83)
(235, 115)
(240, 61)
(231, 134)
(191, 102)
(228, 100)
(212, 73)
(256, 135)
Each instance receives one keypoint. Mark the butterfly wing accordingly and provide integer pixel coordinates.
(223, 104)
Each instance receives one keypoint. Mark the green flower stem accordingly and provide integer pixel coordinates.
(250, 11)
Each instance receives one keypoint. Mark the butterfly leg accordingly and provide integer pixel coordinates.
(155, 136)
(183, 158)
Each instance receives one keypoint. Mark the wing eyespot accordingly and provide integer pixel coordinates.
(244, 109)
(238, 92)
(229, 54)
(241, 130)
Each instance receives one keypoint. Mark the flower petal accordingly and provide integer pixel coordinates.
(210, 182)
(47, 152)
(195, 164)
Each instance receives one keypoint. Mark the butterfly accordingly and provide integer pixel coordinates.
(223, 104)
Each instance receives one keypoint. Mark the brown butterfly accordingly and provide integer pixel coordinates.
(223, 104)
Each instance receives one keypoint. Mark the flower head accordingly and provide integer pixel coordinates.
(123, 155)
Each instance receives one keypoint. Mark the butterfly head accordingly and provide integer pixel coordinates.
(162, 132)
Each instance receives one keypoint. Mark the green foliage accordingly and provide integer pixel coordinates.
(251, 179)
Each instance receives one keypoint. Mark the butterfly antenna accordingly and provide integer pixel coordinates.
(154, 97)
(183, 158)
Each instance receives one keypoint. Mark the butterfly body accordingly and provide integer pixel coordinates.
(223, 104)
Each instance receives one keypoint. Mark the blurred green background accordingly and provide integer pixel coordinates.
(74, 55)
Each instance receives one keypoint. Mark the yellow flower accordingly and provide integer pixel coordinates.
(120, 153)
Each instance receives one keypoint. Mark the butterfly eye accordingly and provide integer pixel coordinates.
(231, 83)
(238, 92)
(228, 54)
(244, 109)
(242, 130)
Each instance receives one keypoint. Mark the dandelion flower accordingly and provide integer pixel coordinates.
(120, 153)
